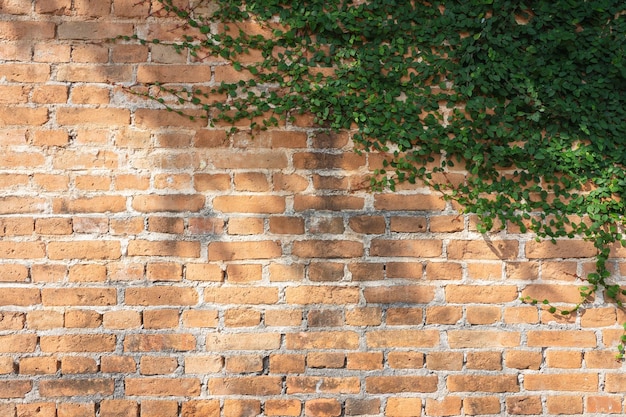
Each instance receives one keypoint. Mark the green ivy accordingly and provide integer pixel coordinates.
(527, 99)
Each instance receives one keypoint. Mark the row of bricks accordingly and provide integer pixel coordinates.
(432, 338)
(297, 363)
(303, 294)
(269, 385)
(167, 318)
(318, 271)
(319, 248)
(325, 407)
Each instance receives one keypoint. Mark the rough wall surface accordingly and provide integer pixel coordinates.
(151, 266)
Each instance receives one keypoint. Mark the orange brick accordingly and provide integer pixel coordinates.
(405, 360)
(563, 359)
(76, 387)
(171, 203)
(82, 319)
(122, 319)
(160, 319)
(44, 320)
(117, 364)
(205, 364)
(321, 295)
(403, 407)
(402, 338)
(181, 387)
(15, 388)
(118, 408)
(283, 407)
(78, 365)
(523, 405)
(520, 359)
(11, 320)
(97, 117)
(39, 365)
(13, 273)
(422, 248)
(200, 318)
(177, 248)
(562, 249)
(480, 293)
(78, 343)
(87, 273)
(604, 404)
(201, 408)
(241, 295)
(497, 249)
(482, 383)
(40, 409)
(157, 365)
(490, 361)
(242, 341)
(481, 405)
(242, 318)
(563, 338)
(25, 30)
(78, 296)
(449, 406)
(286, 363)
(242, 364)
(19, 297)
(322, 407)
(584, 382)
(482, 314)
(449, 361)
(76, 409)
(230, 251)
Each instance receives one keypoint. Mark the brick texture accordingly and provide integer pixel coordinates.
(153, 266)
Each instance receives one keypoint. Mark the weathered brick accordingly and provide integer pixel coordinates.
(584, 382)
(78, 343)
(398, 384)
(483, 383)
(76, 387)
(159, 342)
(180, 387)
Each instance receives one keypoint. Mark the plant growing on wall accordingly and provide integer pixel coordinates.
(527, 100)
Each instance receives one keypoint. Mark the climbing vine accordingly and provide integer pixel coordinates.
(526, 100)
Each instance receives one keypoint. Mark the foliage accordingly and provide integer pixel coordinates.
(525, 100)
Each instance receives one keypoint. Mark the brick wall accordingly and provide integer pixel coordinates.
(151, 266)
